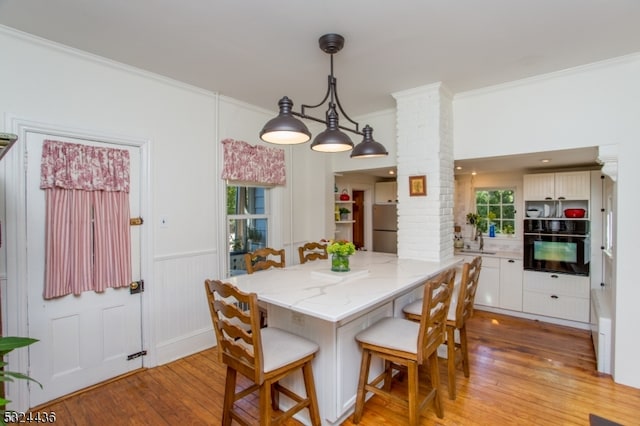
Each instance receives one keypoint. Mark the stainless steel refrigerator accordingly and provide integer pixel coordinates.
(385, 228)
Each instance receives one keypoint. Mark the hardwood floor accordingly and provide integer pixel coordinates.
(522, 373)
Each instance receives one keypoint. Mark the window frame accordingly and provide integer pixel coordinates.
(249, 217)
(483, 225)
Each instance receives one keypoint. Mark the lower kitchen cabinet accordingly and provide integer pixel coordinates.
(500, 283)
(510, 284)
(556, 295)
(488, 292)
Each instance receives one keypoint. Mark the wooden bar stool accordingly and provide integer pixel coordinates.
(263, 355)
(260, 260)
(404, 345)
(312, 251)
(264, 258)
(460, 310)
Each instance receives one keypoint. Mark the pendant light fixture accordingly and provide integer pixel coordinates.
(286, 129)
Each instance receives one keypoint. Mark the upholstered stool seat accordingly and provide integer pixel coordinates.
(274, 340)
(394, 333)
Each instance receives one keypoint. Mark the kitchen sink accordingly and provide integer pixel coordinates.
(476, 251)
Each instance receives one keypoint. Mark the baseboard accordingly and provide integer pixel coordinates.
(188, 345)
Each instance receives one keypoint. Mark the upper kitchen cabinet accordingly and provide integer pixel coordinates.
(386, 192)
(558, 186)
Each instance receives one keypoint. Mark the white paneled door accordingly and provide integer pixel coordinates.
(83, 339)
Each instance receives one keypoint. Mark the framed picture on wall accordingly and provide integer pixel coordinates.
(417, 186)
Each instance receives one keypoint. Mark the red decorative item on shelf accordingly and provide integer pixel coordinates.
(344, 196)
(574, 213)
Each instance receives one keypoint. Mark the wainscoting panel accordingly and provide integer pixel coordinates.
(181, 319)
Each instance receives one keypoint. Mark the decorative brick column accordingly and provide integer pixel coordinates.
(425, 148)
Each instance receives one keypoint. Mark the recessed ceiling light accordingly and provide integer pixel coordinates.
(473, 173)
(458, 167)
(391, 172)
(545, 160)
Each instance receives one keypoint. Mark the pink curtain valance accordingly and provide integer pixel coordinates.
(256, 164)
(89, 168)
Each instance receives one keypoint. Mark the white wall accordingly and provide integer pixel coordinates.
(184, 125)
(588, 106)
(384, 131)
(51, 84)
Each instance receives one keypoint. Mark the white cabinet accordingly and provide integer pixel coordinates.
(557, 186)
(556, 295)
(488, 292)
(573, 185)
(540, 186)
(386, 192)
(500, 283)
(510, 284)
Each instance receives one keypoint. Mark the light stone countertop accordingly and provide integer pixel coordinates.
(313, 289)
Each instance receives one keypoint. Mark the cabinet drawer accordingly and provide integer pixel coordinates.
(489, 262)
(558, 284)
(558, 306)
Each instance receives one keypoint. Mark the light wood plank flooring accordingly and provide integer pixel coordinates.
(522, 373)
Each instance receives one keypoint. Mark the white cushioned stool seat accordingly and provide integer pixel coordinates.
(394, 333)
(280, 348)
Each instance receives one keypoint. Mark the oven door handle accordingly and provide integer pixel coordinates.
(538, 234)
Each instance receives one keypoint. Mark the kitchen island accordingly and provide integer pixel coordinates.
(330, 308)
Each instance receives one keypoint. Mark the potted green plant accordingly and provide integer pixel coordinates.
(340, 251)
(472, 219)
(344, 213)
(7, 344)
(508, 230)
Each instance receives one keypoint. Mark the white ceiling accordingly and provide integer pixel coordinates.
(258, 51)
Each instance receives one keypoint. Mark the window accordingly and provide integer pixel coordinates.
(496, 206)
(247, 223)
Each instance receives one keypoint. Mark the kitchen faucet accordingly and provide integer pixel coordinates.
(481, 240)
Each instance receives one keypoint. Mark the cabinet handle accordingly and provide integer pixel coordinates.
(512, 261)
(553, 296)
(554, 276)
(561, 198)
(548, 198)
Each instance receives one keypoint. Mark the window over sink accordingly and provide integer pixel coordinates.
(496, 206)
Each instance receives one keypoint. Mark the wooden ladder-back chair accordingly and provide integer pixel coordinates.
(405, 345)
(460, 311)
(264, 258)
(259, 260)
(263, 355)
(312, 251)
